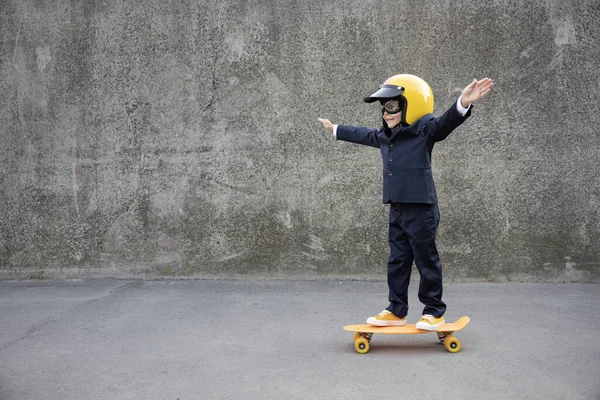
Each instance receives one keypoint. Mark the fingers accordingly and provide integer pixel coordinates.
(485, 83)
(326, 123)
(477, 89)
(485, 86)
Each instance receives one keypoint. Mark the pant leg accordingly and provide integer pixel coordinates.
(399, 264)
(420, 223)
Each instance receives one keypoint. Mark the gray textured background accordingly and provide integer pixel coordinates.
(179, 138)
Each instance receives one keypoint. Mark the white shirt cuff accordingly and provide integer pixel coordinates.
(460, 108)
(335, 131)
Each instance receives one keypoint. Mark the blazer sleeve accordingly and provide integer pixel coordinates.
(355, 134)
(438, 128)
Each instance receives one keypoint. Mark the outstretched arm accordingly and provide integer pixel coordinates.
(354, 134)
(439, 128)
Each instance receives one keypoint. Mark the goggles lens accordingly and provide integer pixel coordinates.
(392, 106)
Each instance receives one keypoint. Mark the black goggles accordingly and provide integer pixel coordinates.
(393, 106)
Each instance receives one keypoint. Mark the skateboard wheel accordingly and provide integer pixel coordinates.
(361, 345)
(452, 344)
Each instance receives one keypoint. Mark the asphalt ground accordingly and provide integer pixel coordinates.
(226, 339)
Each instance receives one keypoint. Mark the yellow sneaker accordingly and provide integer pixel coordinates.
(430, 323)
(386, 318)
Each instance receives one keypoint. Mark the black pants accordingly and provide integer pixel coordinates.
(412, 231)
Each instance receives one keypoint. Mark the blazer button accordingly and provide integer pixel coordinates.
(390, 173)
(390, 158)
(391, 144)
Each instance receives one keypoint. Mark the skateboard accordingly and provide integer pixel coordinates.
(364, 332)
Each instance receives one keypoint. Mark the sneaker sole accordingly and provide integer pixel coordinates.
(373, 321)
(426, 327)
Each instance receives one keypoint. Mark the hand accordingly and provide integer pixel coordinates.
(326, 123)
(475, 91)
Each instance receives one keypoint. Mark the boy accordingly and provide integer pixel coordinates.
(406, 140)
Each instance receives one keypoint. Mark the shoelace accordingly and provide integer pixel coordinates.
(383, 313)
(428, 317)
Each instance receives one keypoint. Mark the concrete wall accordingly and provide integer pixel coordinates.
(179, 138)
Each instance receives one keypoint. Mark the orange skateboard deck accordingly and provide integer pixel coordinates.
(364, 332)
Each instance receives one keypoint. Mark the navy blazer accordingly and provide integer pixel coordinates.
(406, 153)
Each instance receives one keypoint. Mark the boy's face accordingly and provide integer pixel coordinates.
(392, 111)
(392, 120)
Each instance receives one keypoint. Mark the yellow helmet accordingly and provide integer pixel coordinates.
(414, 91)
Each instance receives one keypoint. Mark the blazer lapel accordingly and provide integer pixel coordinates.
(382, 136)
(395, 132)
